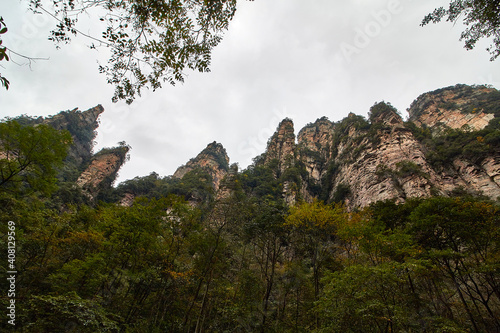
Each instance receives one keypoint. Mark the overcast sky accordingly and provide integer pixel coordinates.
(301, 59)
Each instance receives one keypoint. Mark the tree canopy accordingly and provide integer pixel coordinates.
(481, 17)
(151, 42)
(29, 156)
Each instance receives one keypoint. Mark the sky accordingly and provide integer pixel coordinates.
(301, 59)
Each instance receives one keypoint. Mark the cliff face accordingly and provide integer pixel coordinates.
(212, 159)
(281, 146)
(314, 147)
(483, 178)
(102, 170)
(82, 125)
(470, 109)
(449, 146)
(362, 161)
(455, 107)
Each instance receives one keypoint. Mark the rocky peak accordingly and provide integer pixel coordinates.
(88, 118)
(456, 107)
(102, 170)
(92, 173)
(314, 146)
(82, 126)
(386, 114)
(282, 144)
(380, 163)
(314, 136)
(212, 159)
(362, 161)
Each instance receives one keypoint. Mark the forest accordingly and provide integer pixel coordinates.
(183, 258)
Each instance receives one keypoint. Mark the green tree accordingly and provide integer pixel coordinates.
(267, 239)
(67, 313)
(461, 238)
(314, 227)
(30, 156)
(429, 265)
(369, 290)
(125, 263)
(482, 18)
(366, 298)
(150, 41)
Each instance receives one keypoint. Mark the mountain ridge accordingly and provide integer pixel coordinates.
(449, 144)
(361, 161)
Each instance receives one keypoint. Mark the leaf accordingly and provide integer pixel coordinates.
(3, 30)
(4, 82)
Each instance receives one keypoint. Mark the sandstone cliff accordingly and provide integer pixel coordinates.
(102, 170)
(361, 161)
(213, 159)
(381, 162)
(82, 126)
(450, 145)
(314, 146)
(455, 107)
(473, 110)
(281, 146)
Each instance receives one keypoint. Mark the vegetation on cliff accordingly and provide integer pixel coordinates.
(445, 146)
(466, 99)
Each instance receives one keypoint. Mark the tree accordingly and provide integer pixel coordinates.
(151, 41)
(482, 18)
(3, 55)
(314, 227)
(366, 298)
(29, 157)
(461, 238)
(68, 313)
